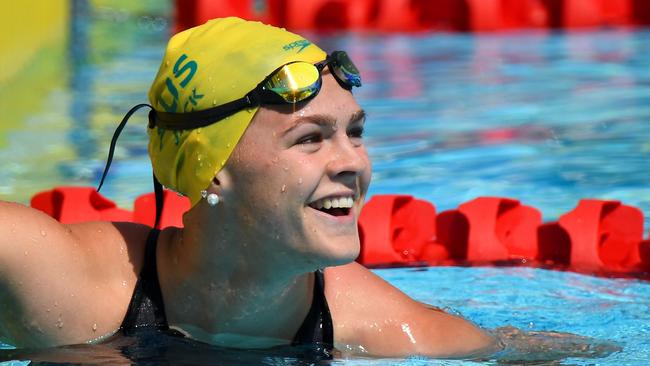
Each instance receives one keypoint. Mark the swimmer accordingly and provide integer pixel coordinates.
(259, 128)
(266, 255)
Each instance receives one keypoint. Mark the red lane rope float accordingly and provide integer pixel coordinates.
(71, 205)
(420, 15)
(398, 229)
(597, 236)
(144, 209)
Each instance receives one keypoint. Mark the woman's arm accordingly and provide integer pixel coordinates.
(61, 284)
(374, 317)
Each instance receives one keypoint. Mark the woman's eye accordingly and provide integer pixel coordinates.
(356, 132)
(311, 139)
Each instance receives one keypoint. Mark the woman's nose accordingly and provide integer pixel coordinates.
(347, 159)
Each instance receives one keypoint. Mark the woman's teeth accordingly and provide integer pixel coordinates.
(327, 203)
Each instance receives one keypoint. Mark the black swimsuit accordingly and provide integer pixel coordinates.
(147, 310)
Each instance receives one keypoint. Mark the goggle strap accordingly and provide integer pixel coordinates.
(160, 200)
(116, 135)
(206, 117)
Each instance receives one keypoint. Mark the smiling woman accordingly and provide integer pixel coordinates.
(265, 138)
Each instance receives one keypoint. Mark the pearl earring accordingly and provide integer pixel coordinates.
(212, 199)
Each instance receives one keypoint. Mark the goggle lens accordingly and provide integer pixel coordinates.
(344, 69)
(295, 82)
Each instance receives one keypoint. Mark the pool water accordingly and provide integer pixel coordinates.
(546, 118)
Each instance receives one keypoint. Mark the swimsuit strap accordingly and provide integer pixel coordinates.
(317, 326)
(147, 308)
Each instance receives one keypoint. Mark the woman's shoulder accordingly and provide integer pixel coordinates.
(24, 230)
(73, 281)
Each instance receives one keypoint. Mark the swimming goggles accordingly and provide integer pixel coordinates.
(289, 84)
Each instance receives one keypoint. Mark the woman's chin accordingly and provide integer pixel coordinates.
(344, 252)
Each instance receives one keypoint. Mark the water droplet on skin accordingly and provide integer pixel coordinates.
(47, 310)
(406, 329)
(285, 168)
(124, 283)
(56, 304)
(299, 180)
(94, 327)
(99, 231)
(59, 322)
(43, 233)
(26, 253)
(284, 188)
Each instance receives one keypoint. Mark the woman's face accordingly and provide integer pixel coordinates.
(290, 170)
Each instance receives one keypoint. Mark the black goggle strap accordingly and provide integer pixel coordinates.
(160, 200)
(116, 135)
(206, 117)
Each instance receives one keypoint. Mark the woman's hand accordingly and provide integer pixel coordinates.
(536, 346)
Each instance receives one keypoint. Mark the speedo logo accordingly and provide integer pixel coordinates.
(300, 44)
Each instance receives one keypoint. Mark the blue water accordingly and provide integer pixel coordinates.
(546, 118)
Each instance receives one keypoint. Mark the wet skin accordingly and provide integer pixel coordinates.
(250, 260)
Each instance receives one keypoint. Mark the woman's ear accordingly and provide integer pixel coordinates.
(221, 181)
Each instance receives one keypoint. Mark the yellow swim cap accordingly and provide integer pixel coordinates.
(206, 66)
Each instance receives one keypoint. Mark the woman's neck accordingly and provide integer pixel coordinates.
(219, 286)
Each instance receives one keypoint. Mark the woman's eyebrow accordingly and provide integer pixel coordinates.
(324, 120)
(317, 119)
